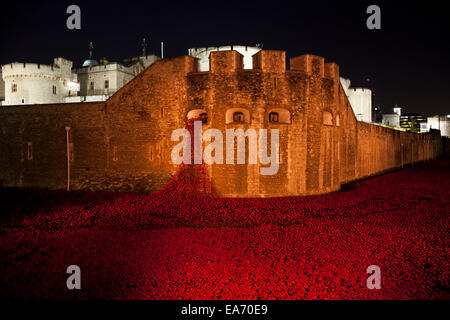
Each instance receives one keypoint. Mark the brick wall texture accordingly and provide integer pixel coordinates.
(124, 144)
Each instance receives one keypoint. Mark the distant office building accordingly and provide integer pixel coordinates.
(413, 122)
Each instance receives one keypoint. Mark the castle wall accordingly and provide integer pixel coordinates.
(33, 144)
(125, 143)
(141, 118)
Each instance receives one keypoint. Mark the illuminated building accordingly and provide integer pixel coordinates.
(411, 122)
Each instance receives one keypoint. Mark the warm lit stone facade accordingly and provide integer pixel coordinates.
(125, 143)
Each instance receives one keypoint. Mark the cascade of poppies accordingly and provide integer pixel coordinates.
(191, 180)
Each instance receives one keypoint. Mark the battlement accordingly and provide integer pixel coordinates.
(267, 61)
(332, 71)
(310, 64)
(206, 50)
(361, 91)
(270, 61)
(29, 69)
(60, 68)
(226, 61)
(229, 61)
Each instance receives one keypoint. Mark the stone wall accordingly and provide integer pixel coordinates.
(33, 144)
(124, 144)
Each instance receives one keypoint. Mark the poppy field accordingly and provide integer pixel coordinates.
(184, 242)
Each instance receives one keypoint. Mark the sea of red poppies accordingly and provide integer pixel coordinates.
(184, 242)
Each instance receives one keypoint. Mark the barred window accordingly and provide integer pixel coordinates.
(274, 117)
(30, 151)
(204, 117)
(238, 117)
(114, 154)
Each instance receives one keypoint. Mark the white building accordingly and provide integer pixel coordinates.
(99, 81)
(203, 54)
(31, 83)
(441, 123)
(360, 99)
(392, 119)
(2, 88)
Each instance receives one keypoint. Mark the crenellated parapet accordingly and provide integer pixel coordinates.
(271, 61)
(308, 64)
(61, 68)
(18, 69)
(226, 61)
(332, 71)
(32, 83)
(129, 138)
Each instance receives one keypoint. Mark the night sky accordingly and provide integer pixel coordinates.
(407, 60)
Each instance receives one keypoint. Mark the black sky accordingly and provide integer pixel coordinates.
(407, 60)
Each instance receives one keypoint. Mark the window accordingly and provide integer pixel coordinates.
(327, 118)
(275, 83)
(161, 113)
(114, 155)
(23, 100)
(91, 85)
(238, 117)
(198, 114)
(150, 153)
(106, 84)
(54, 89)
(274, 117)
(30, 151)
(204, 117)
(279, 115)
(14, 87)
